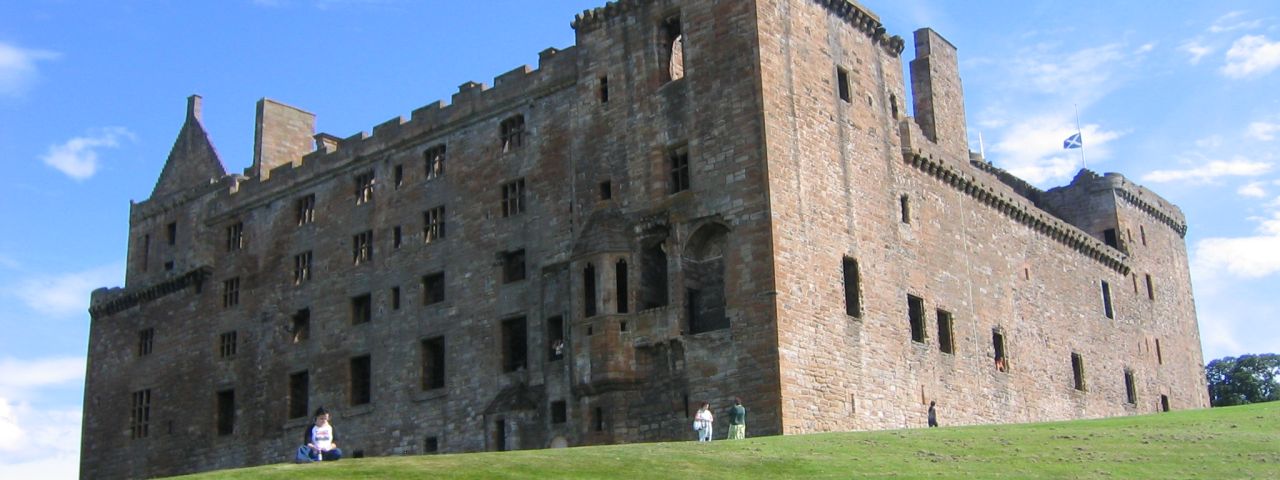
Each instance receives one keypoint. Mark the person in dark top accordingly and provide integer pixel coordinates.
(737, 420)
(933, 414)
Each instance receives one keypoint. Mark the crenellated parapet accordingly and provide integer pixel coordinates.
(107, 302)
(592, 19)
(1018, 210)
(868, 23)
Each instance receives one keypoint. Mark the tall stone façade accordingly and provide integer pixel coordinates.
(698, 200)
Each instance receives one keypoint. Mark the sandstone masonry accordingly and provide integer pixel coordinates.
(698, 200)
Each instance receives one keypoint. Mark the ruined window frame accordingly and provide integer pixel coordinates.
(299, 402)
(1108, 308)
(140, 414)
(362, 247)
(512, 130)
(235, 237)
(364, 187)
(915, 314)
(433, 224)
(513, 198)
(225, 412)
(515, 344)
(230, 292)
(1078, 372)
(300, 325)
(302, 267)
(305, 209)
(1130, 387)
(146, 341)
(360, 386)
(514, 266)
(678, 168)
(362, 309)
(434, 363)
(434, 159)
(433, 288)
(946, 332)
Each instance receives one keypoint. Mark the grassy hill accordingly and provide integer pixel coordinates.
(1220, 443)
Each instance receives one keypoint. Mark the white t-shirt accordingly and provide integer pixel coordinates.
(322, 437)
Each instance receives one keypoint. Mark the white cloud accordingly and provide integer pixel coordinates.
(1033, 151)
(18, 69)
(38, 443)
(1263, 131)
(1212, 141)
(1085, 71)
(1145, 48)
(18, 376)
(78, 157)
(1196, 50)
(1232, 21)
(1252, 55)
(1252, 190)
(1248, 257)
(66, 294)
(1236, 167)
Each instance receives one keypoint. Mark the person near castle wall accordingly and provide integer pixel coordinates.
(933, 414)
(702, 422)
(319, 439)
(737, 420)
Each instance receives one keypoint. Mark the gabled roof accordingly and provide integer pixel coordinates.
(193, 162)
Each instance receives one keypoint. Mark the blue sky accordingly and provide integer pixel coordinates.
(1179, 97)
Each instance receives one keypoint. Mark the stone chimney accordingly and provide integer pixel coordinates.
(281, 135)
(939, 98)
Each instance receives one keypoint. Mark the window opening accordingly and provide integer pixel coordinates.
(362, 247)
(397, 174)
(1159, 354)
(559, 411)
(555, 338)
(364, 187)
(361, 380)
(433, 288)
(1002, 359)
(653, 276)
(512, 133)
(299, 394)
(306, 209)
(606, 190)
(946, 343)
(226, 412)
(1164, 403)
(395, 236)
(1130, 392)
(171, 231)
(1109, 236)
(140, 415)
(300, 326)
(589, 290)
(842, 84)
(301, 267)
(852, 288)
(1077, 371)
(513, 198)
(1142, 231)
(599, 420)
(604, 90)
(146, 339)
(905, 203)
(235, 237)
(433, 362)
(515, 353)
(704, 267)
(513, 267)
(227, 344)
(432, 445)
(435, 157)
(620, 277)
(679, 162)
(1151, 290)
(231, 292)
(1106, 300)
(361, 309)
(395, 298)
(673, 48)
(433, 220)
(915, 312)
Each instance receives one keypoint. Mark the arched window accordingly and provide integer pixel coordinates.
(704, 269)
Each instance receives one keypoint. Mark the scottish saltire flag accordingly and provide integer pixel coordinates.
(1073, 141)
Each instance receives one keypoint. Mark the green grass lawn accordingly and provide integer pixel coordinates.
(1219, 443)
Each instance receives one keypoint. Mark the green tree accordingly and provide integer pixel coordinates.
(1244, 379)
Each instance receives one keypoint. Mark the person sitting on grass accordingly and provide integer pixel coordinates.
(319, 439)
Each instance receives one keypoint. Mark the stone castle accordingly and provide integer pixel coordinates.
(698, 200)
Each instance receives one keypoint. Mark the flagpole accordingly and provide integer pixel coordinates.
(1083, 163)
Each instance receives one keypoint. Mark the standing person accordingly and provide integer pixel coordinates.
(933, 414)
(320, 445)
(737, 420)
(703, 420)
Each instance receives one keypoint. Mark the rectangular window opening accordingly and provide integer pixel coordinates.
(396, 236)
(306, 209)
(512, 133)
(620, 286)
(852, 288)
(433, 288)
(146, 339)
(559, 412)
(395, 298)
(513, 198)
(226, 412)
(397, 175)
(842, 84)
(905, 203)
(606, 190)
(604, 90)
(361, 371)
(915, 312)
(678, 161)
(362, 247)
(515, 354)
(364, 187)
(946, 343)
(171, 233)
(599, 419)
(513, 268)
(434, 158)
(301, 267)
(1130, 391)
(300, 325)
(140, 415)
(227, 344)
(231, 292)
(361, 309)
(1077, 371)
(555, 338)
(433, 224)
(432, 445)
(1151, 289)
(1106, 300)
(1110, 238)
(1002, 358)
(235, 237)
(672, 48)
(433, 363)
(299, 394)
(1159, 353)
